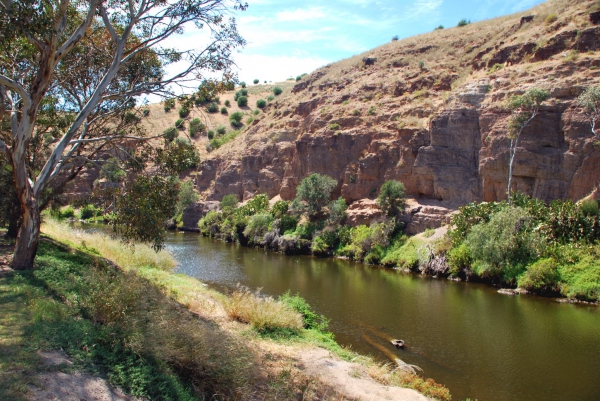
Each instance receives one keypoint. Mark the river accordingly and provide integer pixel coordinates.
(480, 344)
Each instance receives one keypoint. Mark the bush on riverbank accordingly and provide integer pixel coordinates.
(547, 249)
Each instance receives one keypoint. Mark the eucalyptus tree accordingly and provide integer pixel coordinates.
(589, 100)
(71, 74)
(524, 109)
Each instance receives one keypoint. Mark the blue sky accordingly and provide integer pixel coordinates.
(287, 38)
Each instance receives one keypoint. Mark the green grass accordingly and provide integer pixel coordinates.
(115, 324)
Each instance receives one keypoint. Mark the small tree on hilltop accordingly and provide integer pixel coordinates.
(590, 101)
(256, 81)
(391, 197)
(524, 108)
(313, 194)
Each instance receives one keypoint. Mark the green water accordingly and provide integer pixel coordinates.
(478, 343)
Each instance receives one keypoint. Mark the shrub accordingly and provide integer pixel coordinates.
(255, 112)
(221, 130)
(261, 103)
(391, 197)
(243, 84)
(404, 253)
(212, 107)
(582, 279)
(264, 314)
(542, 277)
(229, 201)
(257, 227)
(227, 103)
(180, 124)
(463, 22)
(249, 120)
(89, 211)
(421, 65)
(439, 27)
(240, 93)
(224, 110)
(313, 194)
(270, 98)
(458, 258)
(145, 112)
(169, 104)
(551, 18)
(277, 91)
(395, 38)
(337, 212)
(170, 134)
(589, 207)
(67, 212)
(210, 134)
(334, 126)
(371, 111)
(196, 127)
(235, 119)
(256, 81)
(242, 101)
(280, 209)
(287, 223)
(187, 196)
(184, 111)
(504, 246)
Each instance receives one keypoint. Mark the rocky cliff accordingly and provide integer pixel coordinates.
(430, 113)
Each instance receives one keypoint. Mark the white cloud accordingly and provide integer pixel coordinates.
(275, 68)
(307, 14)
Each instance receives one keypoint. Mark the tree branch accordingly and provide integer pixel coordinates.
(79, 32)
(15, 86)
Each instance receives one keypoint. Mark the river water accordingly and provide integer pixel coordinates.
(480, 344)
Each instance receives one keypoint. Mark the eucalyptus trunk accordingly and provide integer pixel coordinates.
(29, 232)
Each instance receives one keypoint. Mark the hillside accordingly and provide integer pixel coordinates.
(430, 112)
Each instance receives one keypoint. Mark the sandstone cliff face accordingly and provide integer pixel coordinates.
(438, 125)
(461, 156)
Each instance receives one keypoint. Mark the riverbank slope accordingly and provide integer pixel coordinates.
(156, 334)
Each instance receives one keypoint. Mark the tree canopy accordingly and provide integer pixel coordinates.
(313, 194)
(72, 75)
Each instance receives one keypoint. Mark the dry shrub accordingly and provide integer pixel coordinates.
(264, 313)
(403, 377)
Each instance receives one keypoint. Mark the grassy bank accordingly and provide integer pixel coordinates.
(156, 334)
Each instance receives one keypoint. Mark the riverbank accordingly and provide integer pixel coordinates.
(153, 333)
(522, 246)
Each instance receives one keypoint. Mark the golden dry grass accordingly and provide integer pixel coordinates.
(127, 258)
(264, 313)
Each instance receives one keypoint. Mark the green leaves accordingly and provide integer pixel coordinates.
(143, 207)
(391, 197)
(313, 194)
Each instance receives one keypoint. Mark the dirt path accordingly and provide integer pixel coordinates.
(351, 379)
(51, 386)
